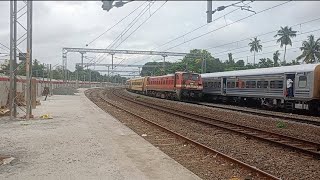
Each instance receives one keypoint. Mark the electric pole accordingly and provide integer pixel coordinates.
(209, 11)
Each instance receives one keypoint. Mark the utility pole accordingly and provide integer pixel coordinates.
(29, 59)
(90, 77)
(77, 79)
(209, 11)
(164, 64)
(43, 72)
(13, 59)
(82, 58)
(50, 80)
(112, 60)
(108, 73)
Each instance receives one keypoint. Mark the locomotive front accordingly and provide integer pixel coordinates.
(191, 84)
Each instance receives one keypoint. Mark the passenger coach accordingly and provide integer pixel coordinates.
(267, 86)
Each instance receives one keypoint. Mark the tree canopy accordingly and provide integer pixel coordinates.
(310, 50)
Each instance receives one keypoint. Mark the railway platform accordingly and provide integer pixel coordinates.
(81, 141)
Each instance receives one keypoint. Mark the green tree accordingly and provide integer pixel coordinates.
(285, 34)
(276, 58)
(255, 46)
(230, 59)
(240, 63)
(265, 62)
(310, 50)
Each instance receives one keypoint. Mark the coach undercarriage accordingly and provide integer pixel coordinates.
(266, 103)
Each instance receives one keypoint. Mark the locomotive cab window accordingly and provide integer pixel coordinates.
(195, 77)
(302, 81)
(185, 76)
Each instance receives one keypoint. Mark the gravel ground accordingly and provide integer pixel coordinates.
(204, 164)
(274, 159)
(64, 90)
(303, 131)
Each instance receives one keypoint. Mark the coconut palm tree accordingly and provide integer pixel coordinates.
(310, 50)
(276, 58)
(255, 46)
(285, 34)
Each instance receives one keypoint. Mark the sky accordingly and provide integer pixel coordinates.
(76, 23)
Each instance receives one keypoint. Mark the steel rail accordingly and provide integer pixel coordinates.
(305, 146)
(243, 164)
(254, 112)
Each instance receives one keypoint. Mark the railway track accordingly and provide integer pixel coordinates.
(259, 113)
(305, 146)
(262, 174)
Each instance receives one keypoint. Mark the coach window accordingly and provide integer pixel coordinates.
(251, 84)
(279, 84)
(262, 84)
(276, 84)
(247, 84)
(228, 84)
(302, 81)
(233, 84)
(219, 84)
(259, 84)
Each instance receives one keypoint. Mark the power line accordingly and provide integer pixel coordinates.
(258, 54)
(263, 34)
(195, 29)
(127, 28)
(262, 47)
(7, 48)
(241, 19)
(131, 25)
(142, 24)
(262, 43)
(114, 25)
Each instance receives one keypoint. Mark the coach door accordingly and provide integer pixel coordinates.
(290, 84)
(302, 88)
(224, 86)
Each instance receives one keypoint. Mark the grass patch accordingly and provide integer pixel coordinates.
(281, 125)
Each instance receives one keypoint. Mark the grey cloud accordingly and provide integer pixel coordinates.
(73, 24)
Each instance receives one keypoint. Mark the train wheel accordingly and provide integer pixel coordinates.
(314, 108)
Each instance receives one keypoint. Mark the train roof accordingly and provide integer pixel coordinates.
(264, 71)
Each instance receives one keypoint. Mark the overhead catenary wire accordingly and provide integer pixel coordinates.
(141, 25)
(115, 24)
(248, 50)
(199, 27)
(258, 54)
(224, 52)
(130, 26)
(126, 29)
(6, 48)
(241, 19)
(263, 34)
(193, 30)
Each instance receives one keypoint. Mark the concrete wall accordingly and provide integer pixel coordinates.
(40, 84)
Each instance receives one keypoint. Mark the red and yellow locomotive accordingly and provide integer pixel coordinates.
(181, 85)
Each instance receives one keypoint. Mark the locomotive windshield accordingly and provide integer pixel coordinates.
(195, 77)
(189, 76)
